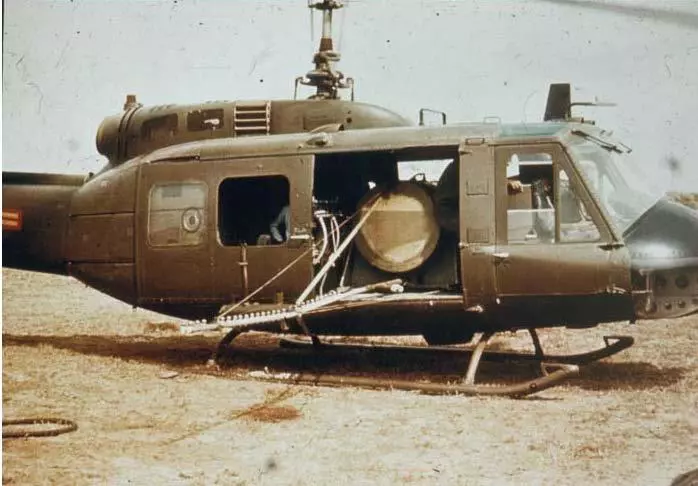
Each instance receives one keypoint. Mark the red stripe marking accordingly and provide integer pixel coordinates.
(11, 219)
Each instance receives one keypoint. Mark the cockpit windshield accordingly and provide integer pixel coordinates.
(609, 173)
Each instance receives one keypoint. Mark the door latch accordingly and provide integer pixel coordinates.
(500, 257)
(298, 240)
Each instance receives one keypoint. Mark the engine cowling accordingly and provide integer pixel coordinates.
(139, 129)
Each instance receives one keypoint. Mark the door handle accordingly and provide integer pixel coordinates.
(614, 245)
(500, 257)
(297, 240)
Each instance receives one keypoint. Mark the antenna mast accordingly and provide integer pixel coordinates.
(325, 78)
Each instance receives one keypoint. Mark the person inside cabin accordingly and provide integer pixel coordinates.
(280, 228)
(514, 185)
(544, 216)
(446, 198)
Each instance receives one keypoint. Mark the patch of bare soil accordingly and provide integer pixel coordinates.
(149, 410)
(269, 410)
(270, 413)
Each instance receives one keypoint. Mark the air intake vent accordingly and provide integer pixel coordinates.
(252, 118)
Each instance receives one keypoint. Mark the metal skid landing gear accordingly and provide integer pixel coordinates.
(214, 360)
(223, 345)
(482, 342)
(554, 368)
(555, 373)
(612, 345)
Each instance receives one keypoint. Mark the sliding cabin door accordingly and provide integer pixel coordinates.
(263, 228)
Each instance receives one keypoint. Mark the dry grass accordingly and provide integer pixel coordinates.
(160, 327)
(687, 198)
(74, 353)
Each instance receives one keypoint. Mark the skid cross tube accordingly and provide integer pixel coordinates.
(475, 358)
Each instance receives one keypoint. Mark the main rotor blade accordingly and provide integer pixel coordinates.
(660, 14)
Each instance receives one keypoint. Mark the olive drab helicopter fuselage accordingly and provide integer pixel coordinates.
(331, 217)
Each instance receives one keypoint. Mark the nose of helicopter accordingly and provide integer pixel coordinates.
(663, 246)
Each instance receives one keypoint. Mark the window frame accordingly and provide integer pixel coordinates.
(574, 189)
(560, 161)
(265, 175)
(204, 213)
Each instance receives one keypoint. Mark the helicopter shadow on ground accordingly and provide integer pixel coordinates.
(261, 351)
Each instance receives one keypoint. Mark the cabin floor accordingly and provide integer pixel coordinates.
(149, 411)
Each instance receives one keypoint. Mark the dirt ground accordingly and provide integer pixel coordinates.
(148, 411)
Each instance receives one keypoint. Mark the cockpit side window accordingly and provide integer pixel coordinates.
(543, 205)
(530, 198)
(576, 224)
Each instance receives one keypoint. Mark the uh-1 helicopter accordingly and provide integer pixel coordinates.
(326, 216)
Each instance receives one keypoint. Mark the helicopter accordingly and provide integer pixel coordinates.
(326, 217)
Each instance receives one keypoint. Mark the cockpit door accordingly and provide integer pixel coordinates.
(553, 244)
(477, 221)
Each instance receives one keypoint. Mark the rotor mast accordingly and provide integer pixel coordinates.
(325, 78)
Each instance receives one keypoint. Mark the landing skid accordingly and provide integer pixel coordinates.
(613, 345)
(561, 373)
(553, 373)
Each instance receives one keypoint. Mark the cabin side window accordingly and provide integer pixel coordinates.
(542, 204)
(429, 171)
(177, 214)
(254, 211)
